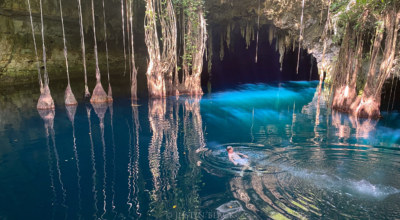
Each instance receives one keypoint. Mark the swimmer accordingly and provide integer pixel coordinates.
(237, 158)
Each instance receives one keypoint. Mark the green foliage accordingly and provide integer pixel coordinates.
(190, 10)
(352, 13)
(339, 5)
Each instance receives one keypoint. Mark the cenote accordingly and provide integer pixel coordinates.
(166, 158)
(231, 109)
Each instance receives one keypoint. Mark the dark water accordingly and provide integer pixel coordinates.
(166, 159)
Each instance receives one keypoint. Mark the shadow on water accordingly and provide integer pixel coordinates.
(166, 158)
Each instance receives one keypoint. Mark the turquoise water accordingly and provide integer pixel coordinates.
(166, 159)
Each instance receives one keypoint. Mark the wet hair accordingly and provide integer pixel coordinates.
(229, 148)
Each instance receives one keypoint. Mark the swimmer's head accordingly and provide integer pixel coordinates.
(229, 149)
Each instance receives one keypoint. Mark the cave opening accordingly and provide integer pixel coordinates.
(236, 63)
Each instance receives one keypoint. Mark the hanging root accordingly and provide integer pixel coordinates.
(45, 100)
(196, 38)
(368, 108)
(109, 94)
(258, 31)
(133, 89)
(109, 98)
(123, 32)
(69, 96)
(87, 93)
(300, 36)
(99, 95)
(133, 73)
(343, 98)
(155, 78)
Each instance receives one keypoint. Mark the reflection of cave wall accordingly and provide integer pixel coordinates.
(239, 66)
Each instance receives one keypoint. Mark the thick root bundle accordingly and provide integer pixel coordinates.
(45, 100)
(344, 97)
(69, 96)
(87, 93)
(109, 94)
(99, 95)
(366, 108)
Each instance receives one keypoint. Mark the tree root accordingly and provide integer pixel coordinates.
(367, 108)
(69, 96)
(109, 94)
(45, 100)
(99, 95)
(344, 97)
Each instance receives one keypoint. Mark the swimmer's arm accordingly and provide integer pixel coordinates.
(231, 159)
(243, 155)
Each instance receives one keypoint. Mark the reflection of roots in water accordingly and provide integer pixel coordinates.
(48, 118)
(92, 162)
(266, 196)
(301, 193)
(285, 190)
(71, 111)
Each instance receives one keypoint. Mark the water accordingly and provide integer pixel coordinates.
(163, 159)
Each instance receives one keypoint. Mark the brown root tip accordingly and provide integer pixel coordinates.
(46, 108)
(99, 95)
(71, 104)
(69, 97)
(45, 101)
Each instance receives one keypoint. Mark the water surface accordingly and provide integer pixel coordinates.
(163, 159)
